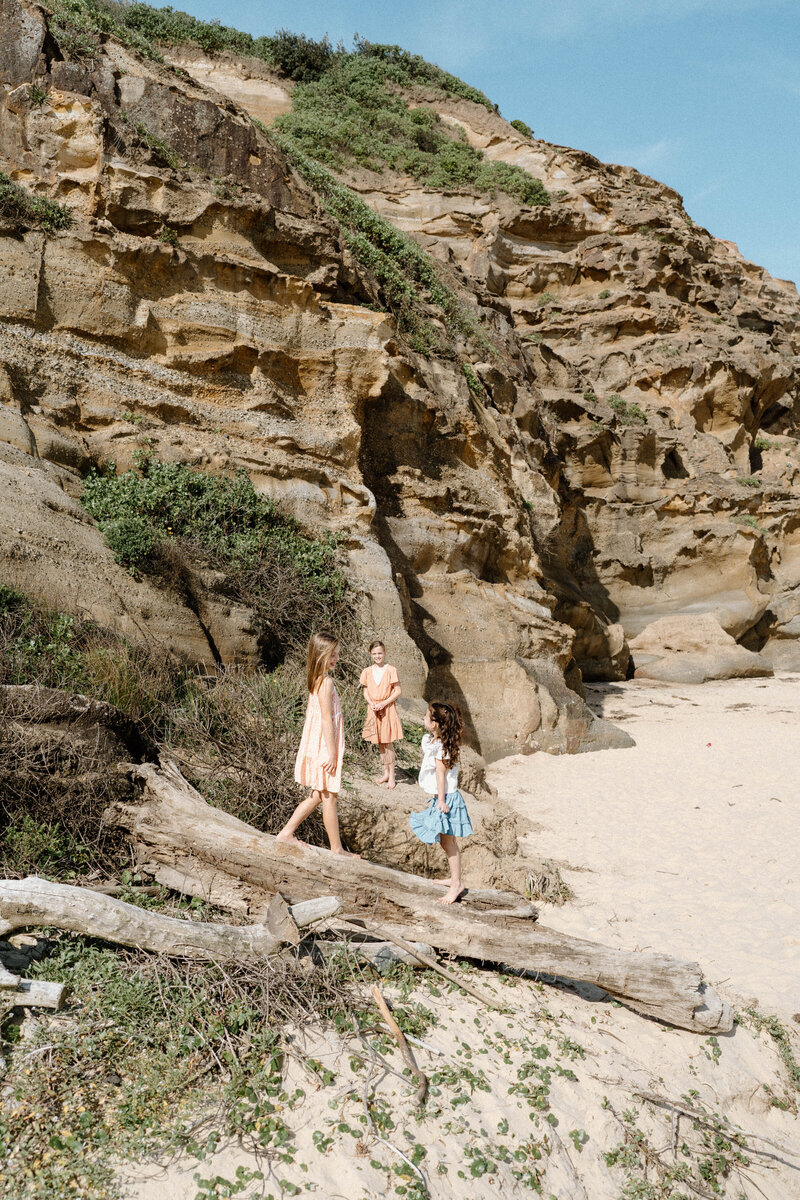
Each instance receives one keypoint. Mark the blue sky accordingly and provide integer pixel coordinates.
(702, 94)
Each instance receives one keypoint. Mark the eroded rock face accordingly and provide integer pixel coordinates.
(501, 541)
(693, 649)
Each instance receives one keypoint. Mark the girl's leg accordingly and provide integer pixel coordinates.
(303, 810)
(384, 778)
(330, 819)
(450, 847)
(388, 757)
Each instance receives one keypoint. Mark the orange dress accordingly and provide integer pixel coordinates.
(384, 726)
(309, 769)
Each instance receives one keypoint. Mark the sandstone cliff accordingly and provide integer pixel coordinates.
(618, 445)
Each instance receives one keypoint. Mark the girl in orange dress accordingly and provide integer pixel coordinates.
(382, 726)
(319, 759)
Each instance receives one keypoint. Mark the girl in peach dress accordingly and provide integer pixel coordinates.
(382, 726)
(319, 759)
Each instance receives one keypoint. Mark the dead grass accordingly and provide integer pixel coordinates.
(547, 884)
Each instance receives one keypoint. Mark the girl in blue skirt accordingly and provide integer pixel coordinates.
(446, 817)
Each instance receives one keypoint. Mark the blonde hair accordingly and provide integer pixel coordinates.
(320, 650)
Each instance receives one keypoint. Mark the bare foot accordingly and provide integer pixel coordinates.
(345, 853)
(390, 783)
(452, 894)
(383, 779)
(289, 837)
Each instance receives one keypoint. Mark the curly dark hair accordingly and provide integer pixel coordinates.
(451, 727)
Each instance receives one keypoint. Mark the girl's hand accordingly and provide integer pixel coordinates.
(444, 806)
(330, 765)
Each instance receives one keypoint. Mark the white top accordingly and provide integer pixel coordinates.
(431, 750)
(377, 673)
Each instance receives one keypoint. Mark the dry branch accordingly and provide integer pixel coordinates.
(26, 903)
(405, 1049)
(174, 825)
(427, 960)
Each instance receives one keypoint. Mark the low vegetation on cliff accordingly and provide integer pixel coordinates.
(408, 277)
(348, 109)
(356, 115)
(23, 210)
(162, 516)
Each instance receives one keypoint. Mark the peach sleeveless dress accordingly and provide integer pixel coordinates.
(385, 726)
(312, 754)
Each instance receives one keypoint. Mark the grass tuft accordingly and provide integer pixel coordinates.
(26, 211)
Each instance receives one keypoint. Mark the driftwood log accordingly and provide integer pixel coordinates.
(29, 993)
(184, 841)
(31, 902)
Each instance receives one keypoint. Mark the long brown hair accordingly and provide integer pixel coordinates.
(451, 728)
(320, 649)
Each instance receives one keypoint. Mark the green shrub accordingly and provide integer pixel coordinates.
(133, 539)
(168, 236)
(44, 848)
(749, 481)
(35, 644)
(298, 57)
(763, 443)
(166, 515)
(406, 69)
(522, 128)
(23, 209)
(750, 521)
(627, 414)
(604, 295)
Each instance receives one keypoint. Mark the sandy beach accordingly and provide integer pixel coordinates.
(688, 842)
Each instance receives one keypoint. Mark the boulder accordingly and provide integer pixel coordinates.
(693, 649)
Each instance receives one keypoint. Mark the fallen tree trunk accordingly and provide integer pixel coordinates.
(31, 902)
(174, 829)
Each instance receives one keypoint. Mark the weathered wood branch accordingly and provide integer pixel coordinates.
(35, 993)
(31, 902)
(405, 1049)
(175, 825)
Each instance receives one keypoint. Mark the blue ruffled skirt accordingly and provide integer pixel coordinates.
(431, 823)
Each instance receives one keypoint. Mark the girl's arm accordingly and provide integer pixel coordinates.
(326, 708)
(390, 699)
(441, 783)
(369, 702)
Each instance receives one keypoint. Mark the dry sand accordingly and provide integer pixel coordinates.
(688, 842)
(676, 844)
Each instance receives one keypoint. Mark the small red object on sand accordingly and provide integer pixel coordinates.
(708, 743)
